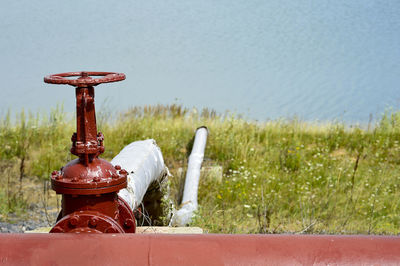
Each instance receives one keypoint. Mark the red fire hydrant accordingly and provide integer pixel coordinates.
(89, 185)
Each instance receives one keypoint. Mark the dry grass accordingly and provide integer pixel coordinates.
(278, 176)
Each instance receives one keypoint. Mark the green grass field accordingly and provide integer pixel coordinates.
(281, 176)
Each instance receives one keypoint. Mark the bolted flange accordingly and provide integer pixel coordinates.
(87, 222)
(98, 177)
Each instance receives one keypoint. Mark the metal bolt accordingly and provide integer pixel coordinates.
(128, 223)
(93, 222)
(73, 221)
(117, 167)
(123, 172)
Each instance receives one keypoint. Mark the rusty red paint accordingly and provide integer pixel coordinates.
(126, 216)
(156, 249)
(98, 175)
(84, 78)
(89, 185)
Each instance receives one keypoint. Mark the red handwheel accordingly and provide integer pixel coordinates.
(84, 79)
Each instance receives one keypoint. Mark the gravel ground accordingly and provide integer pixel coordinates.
(21, 226)
(34, 218)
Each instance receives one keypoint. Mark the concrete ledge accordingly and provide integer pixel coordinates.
(144, 230)
(168, 230)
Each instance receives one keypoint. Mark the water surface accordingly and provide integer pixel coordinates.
(265, 59)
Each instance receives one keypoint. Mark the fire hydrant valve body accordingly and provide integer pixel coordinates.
(89, 185)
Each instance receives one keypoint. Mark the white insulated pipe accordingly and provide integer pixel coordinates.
(189, 204)
(144, 163)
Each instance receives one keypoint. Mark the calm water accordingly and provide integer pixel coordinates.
(265, 59)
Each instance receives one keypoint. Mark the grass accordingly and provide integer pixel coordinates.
(281, 176)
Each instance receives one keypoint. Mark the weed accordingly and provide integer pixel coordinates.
(278, 176)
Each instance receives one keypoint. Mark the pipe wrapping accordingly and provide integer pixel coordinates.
(144, 162)
(189, 204)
